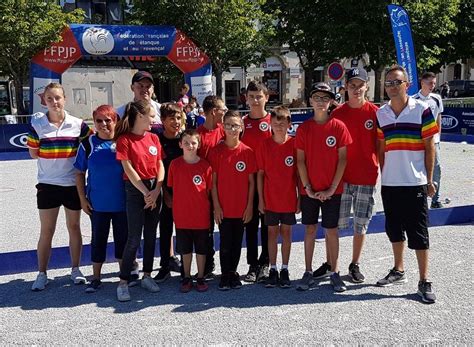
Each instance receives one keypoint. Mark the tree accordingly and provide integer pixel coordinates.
(230, 32)
(27, 27)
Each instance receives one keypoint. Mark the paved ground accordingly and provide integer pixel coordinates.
(19, 221)
(364, 314)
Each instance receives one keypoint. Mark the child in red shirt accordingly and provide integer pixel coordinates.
(233, 186)
(256, 130)
(140, 153)
(276, 168)
(190, 179)
(321, 159)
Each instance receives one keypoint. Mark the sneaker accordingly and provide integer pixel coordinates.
(163, 275)
(208, 276)
(323, 271)
(123, 293)
(337, 283)
(285, 279)
(426, 292)
(93, 286)
(235, 281)
(251, 276)
(305, 282)
(393, 277)
(263, 272)
(224, 283)
(355, 274)
(201, 285)
(134, 276)
(149, 284)
(436, 204)
(186, 285)
(40, 282)
(272, 279)
(175, 264)
(77, 277)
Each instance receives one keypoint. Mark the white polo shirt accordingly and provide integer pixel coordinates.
(435, 103)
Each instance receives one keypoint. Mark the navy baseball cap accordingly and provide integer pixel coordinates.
(140, 75)
(358, 73)
(322, 87)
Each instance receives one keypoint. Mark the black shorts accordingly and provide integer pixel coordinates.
(277, 218)
(329, 210)
(406, 211)
(187, 239)
(52, 196)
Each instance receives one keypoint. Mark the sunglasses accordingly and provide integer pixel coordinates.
(394, 83)
(106, 121)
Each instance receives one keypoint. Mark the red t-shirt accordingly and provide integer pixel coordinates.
(362, 164)
(278, 161)
(209, 139)
(143, 151)
(320, 143)
(256, 131)
(191, 184)
(233, 167)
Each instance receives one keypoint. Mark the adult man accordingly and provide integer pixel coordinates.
(405, 129)
(142, 88)
(434, 101)
(360, 176)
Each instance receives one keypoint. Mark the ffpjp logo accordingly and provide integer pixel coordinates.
(19, 140)
(97, 41)
(399, 17)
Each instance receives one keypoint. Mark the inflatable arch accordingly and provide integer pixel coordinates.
(80, 40)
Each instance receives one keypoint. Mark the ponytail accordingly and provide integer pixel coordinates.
(127, 122)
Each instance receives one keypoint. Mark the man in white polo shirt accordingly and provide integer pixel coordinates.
(434, 101)
(143, 89)
(405, 130)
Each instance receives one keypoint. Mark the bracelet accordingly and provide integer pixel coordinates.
(307, 186)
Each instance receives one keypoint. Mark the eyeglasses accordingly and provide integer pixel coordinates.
(255, 97)
(232, 127)
(394, 83)
(106, 121)
(321, 99)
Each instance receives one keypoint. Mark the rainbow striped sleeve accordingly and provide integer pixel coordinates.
(380, 134)
(32, 140)
(85, 131)
(429, 126)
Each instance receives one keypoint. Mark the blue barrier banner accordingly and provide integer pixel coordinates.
(458, 120)
(13, 137)
(404, 44)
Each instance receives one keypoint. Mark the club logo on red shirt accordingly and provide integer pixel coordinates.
(240, 166)
(331, 141)
(369, 124)
(263, 126)
(152, 150)
(197, 180)
(289, 160)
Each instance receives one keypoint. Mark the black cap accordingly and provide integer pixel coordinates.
(141, 75)
(358, 73)
(322, 87)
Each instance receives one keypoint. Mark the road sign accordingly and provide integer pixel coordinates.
(336, 71)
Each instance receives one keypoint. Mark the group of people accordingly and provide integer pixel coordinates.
(141, 169)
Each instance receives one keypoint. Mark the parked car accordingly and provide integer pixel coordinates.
(461, 88)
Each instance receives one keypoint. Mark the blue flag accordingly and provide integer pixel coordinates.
(404, 44)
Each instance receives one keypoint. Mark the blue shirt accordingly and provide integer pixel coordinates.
(105, 186)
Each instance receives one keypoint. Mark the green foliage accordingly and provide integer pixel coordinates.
(230, 32)
(27, 27)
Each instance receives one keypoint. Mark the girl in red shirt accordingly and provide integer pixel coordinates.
(140, 153)
(233, 187)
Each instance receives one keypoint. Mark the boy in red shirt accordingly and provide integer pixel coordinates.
(190, 178)
(360, 176)
(276, 168)
(233, 186)
(211, 133)
(321, 159)
(256, 130)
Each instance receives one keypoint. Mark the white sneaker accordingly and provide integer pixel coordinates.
(40, 282)
(77, 277)
(149, 284)
(122, 293)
